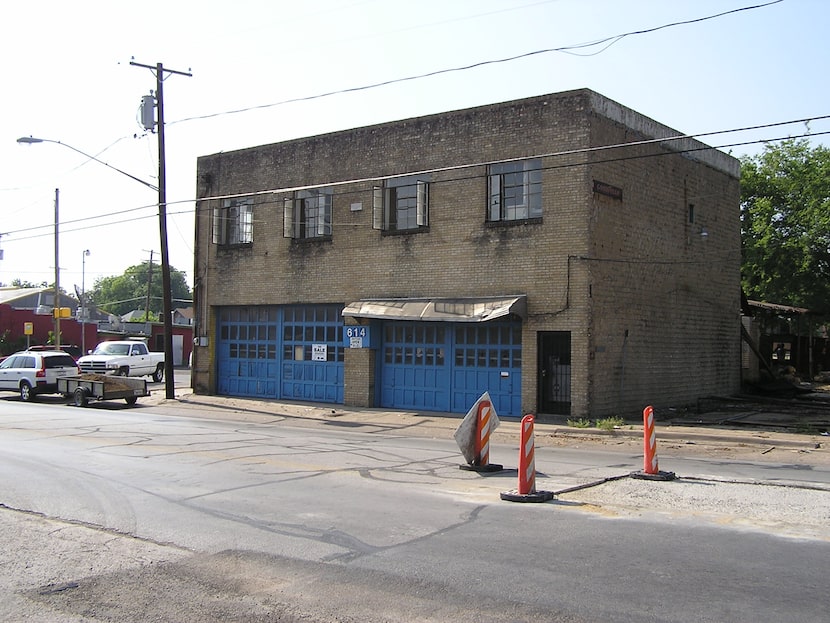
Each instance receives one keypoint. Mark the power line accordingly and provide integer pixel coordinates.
(459, 167)
(87, 218)
(583, 150)
(614, 39)
(565, 49)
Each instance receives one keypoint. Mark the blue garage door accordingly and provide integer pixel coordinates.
(488, 357)
(435, 366)
(246, 350)
(281, 352)
(415, 370)
(312, 361)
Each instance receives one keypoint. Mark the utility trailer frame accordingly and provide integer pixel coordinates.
(87, 387)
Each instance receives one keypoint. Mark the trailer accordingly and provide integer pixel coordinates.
(82, 389)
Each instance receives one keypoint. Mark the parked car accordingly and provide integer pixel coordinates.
(69, 349)
(124, 358)
(33, 372)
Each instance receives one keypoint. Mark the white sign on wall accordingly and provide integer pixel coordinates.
(357, 337)
(319, 352)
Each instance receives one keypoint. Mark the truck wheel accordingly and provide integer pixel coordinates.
(79, 397)
(26, 393)
(158, 375)
(122, 372)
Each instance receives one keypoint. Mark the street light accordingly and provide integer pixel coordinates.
(83, 301)
(31, 140)
(165, 263)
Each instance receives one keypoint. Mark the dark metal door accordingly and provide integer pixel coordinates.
(555, 372)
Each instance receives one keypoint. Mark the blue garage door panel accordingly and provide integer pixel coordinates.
(309, 373)
(247, 351)
(281, 352)
(416, 372)
(488, 357)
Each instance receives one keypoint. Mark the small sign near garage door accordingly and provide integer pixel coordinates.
(357, 337)
(319, 352)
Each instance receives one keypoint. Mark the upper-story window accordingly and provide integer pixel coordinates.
(308, 214)
(233, 223)
(402, 204)
(515, 190)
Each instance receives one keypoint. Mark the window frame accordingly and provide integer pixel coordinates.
(514, 191)
(296, 219)
(233, 223)
(397, 212)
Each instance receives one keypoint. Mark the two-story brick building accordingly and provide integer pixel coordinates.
(562, 252)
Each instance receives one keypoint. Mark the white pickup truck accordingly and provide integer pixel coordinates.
(124, 358)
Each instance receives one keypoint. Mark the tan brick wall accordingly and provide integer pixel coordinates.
(594, 266)
(359, 377)
(664, 300)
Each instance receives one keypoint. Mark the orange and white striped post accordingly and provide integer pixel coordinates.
(527, 469)
(485, 408)
(649, 442)
(527, 460)
(650, 467)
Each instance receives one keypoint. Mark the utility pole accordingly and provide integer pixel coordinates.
(169, 386)
(83, 301)
(57, 308)
(149, 285)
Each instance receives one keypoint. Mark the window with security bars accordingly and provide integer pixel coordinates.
(402, 204)
(308, 214)
(514, 191)
(233, 223)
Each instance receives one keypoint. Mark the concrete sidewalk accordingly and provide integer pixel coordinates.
(720, 441)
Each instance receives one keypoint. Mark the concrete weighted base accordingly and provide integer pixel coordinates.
(535, 496)
(490, 467)
(641, 475)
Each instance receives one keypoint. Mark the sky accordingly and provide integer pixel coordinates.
(265, 71)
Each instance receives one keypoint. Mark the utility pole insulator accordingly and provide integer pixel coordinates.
(148, 112)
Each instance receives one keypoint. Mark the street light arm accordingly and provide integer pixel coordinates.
(31, 140)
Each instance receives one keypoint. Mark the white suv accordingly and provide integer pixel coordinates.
(32, 372)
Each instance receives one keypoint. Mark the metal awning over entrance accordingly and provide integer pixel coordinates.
(439, 309)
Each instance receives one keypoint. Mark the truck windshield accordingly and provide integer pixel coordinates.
(112, 349)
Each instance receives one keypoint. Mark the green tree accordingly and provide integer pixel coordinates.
(785, 225)
(124, 293)
(18, 283)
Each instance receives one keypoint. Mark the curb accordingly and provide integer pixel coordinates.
(665, 434)
(506, 434)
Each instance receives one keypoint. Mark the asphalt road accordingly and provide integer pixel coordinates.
(116, 514)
